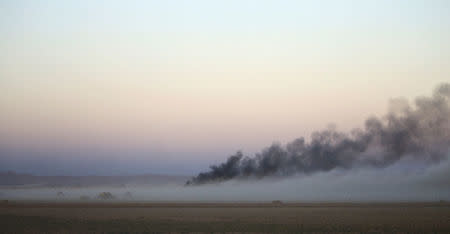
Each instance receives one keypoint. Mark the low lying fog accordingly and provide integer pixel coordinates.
(405, 180)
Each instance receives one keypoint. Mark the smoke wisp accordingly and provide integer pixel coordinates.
(420, 131)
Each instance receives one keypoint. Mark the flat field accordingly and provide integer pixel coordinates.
(145, 217)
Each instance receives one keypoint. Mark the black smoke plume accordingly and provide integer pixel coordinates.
(421, 131)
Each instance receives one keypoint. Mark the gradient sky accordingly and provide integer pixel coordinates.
(110, 87)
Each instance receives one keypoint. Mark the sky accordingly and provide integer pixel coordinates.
(126, 87)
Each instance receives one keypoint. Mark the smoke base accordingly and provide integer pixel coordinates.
(394, 183)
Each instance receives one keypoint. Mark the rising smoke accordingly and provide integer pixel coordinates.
(421, 131)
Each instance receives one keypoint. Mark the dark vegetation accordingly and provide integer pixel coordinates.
(105, 196)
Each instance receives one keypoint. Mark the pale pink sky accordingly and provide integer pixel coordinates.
(196, 80)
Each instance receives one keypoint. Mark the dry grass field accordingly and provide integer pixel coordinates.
(97, 217)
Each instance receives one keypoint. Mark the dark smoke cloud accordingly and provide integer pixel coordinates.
(421, 131)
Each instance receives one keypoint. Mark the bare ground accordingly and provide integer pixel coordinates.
(126, 217)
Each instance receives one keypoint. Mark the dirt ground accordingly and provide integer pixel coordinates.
(126, 217)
